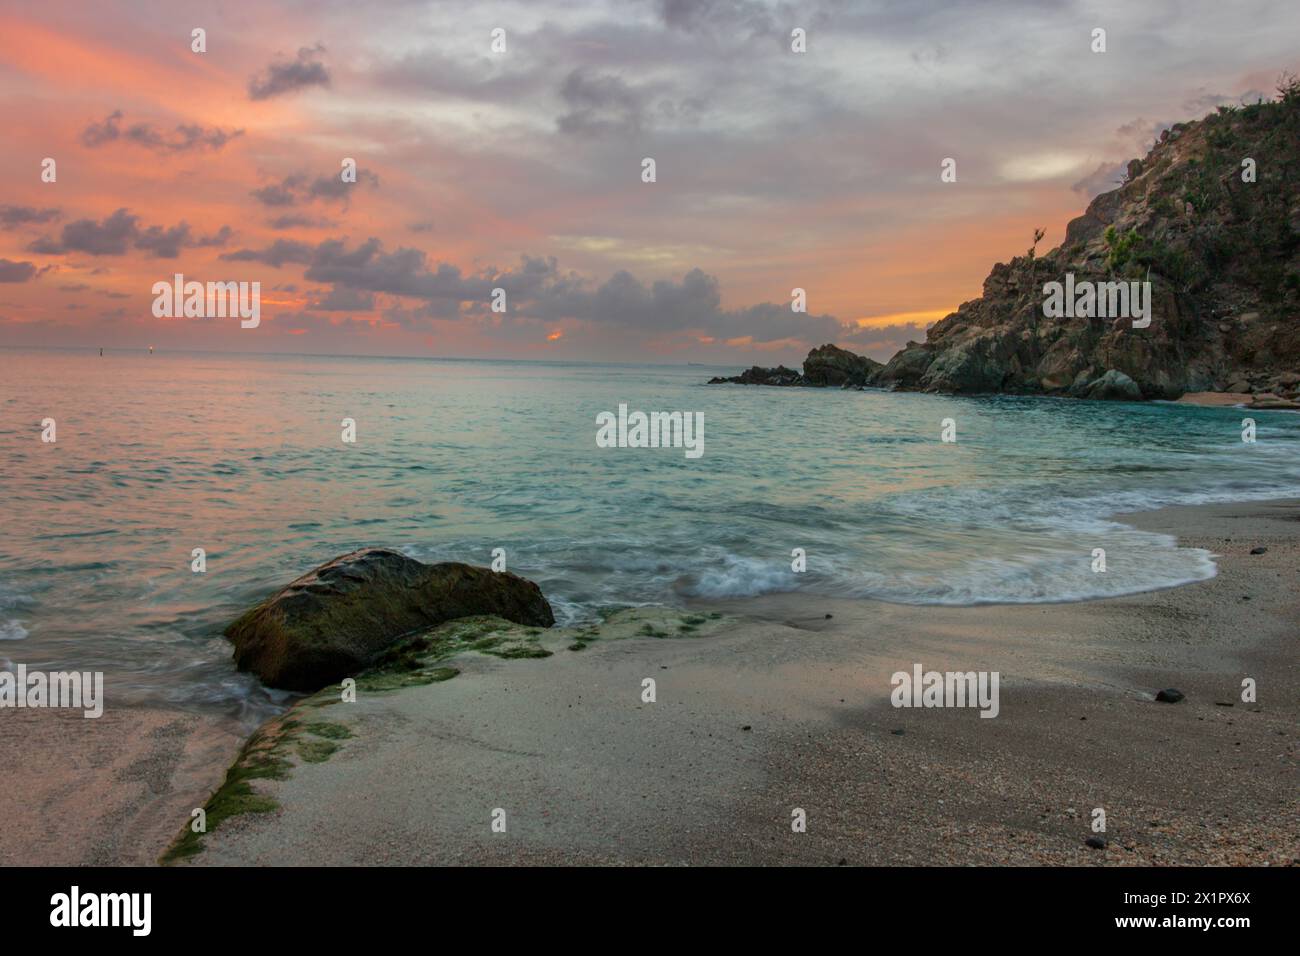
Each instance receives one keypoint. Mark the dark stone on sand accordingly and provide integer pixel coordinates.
(829, 616)
(1169, 696)
(1260, 550)
(898, 731)
(747, 727)
(332, 622)
(1096, 842)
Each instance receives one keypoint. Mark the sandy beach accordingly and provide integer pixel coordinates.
(783, 703)
(105, 792)
(673, 434)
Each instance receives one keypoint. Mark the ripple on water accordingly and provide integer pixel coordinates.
(485, 455)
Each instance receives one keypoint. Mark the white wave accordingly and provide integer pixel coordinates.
(12, 631)
(1061, 579)
(738, 576)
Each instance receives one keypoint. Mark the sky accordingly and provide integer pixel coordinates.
(521, 168)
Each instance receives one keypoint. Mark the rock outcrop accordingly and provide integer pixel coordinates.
(1114, 386)
(763, 376)
(831, 366)
(825, 367)
(332, 622)
(1222, 255)
(1217, 237)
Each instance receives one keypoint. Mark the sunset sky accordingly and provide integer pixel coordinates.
(522, 169)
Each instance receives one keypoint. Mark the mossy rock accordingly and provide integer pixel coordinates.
(520, 651)
(316, 751)
(263, 757)
(342, 617)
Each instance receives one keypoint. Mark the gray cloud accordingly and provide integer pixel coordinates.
(1205, 102)
(604, 103)
(1141, 134)
(11, 271)
(279, 253)
(186, 137)
(345, 300)
(748, 16)
(298, 188)
(283, 193)
(1136, 138)
(97, 134)
(111, 237)
(536, 291)
(600, 103)
(285, 77)
(167, 243)
(121, 231)
(401, 272)
(11, 216)
(1103, 179)
(334, 189)
(295, 221)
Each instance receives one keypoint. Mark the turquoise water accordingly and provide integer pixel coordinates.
(242, 456)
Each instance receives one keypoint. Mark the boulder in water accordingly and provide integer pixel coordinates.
(831, 365)
(1114, 386)
(333, 621)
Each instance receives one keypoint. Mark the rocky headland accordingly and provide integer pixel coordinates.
(1210, 217)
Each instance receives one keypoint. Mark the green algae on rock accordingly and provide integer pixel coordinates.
(336, 620)
(302, 736)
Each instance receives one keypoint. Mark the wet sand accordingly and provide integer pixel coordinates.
(778, 706)
(1242, 399)
(1215, 399)
(108, 791)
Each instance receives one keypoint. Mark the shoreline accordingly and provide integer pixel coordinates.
(1254, 403)
(819, 733)
(781, 707)
(114, 788)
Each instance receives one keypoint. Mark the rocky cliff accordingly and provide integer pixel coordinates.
(1222, 254)
(1210, 218)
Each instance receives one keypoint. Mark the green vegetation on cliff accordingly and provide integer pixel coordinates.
(1211, 217)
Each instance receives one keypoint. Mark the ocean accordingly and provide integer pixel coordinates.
(242, 456)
